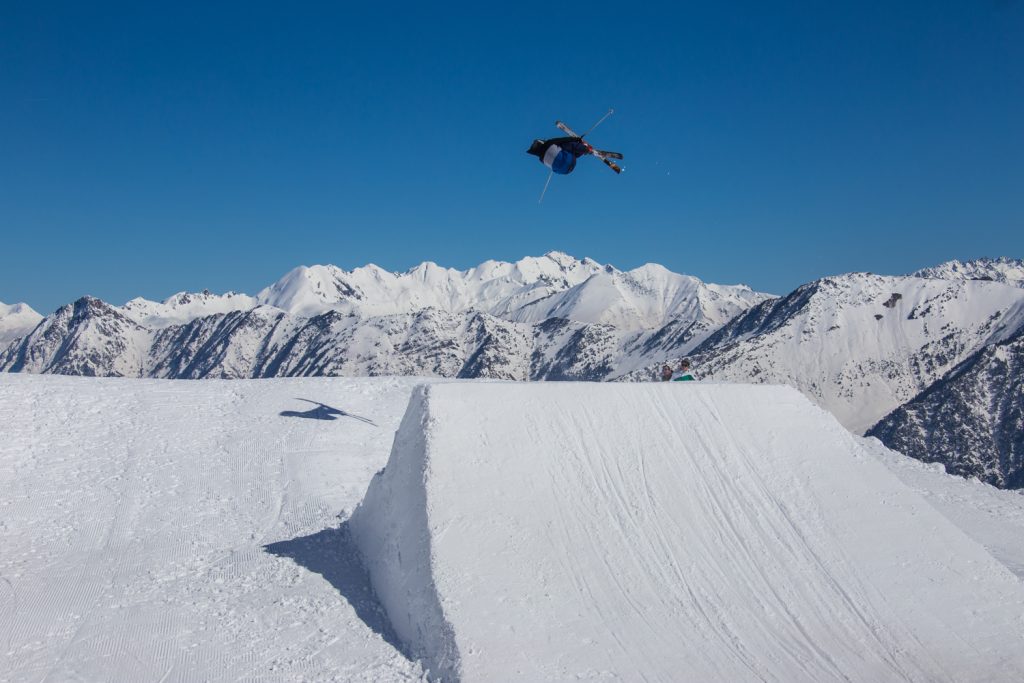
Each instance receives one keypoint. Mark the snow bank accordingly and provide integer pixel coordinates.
(391, 530)
(663, 532)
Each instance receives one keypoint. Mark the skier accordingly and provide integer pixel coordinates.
(559, 154)
(666, 372)
(683, 374)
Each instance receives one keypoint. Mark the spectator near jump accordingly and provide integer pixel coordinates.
(684, 374)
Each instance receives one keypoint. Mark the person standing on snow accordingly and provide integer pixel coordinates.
(666, 372)
(684, 374)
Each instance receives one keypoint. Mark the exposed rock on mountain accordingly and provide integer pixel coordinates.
(860, 344)
(1005, 270)
(971, 420)
(88, 337)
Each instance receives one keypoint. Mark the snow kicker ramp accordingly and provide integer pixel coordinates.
(670, 533)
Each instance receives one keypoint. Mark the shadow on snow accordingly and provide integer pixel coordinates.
(323, 411)
(332, 554)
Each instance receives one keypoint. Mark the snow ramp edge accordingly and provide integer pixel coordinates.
(709, 532)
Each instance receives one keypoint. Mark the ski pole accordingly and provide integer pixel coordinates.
(610, 112)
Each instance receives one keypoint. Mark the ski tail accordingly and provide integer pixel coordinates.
(567, 130)
(610, 164)
(606, 157)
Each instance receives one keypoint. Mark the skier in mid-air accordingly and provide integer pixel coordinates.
(560, 154)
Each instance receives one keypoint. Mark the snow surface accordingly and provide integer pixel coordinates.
(174, 530)
(658, 532)
(189, 531)
(991, 516)
(16, 320)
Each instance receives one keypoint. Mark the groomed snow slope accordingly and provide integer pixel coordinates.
(667, 533)
(155, 530)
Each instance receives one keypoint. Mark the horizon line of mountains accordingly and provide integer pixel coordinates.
(930, 363)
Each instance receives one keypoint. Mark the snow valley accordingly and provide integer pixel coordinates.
(860, 345)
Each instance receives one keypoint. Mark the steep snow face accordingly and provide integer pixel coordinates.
(971, 420)
(267, 342)
(16, 320)
(860, 344)
(1003, 269)
(227, 346)
(644, 298)
(558, 531)
(185, 307)
(307, 291)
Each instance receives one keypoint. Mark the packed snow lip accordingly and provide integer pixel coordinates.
(699, 532)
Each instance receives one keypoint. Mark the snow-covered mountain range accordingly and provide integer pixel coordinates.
(859, 345)
(552, 317)
(971, 420)
(531, 290)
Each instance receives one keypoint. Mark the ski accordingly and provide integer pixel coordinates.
(610, 164)
(567, 130)
(606, 157)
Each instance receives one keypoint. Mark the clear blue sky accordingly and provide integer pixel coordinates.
(151, 148)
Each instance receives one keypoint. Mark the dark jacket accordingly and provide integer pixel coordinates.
(559, 154)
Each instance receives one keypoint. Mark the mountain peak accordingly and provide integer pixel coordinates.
(562, 259)
(16, 320)
(16, 309)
